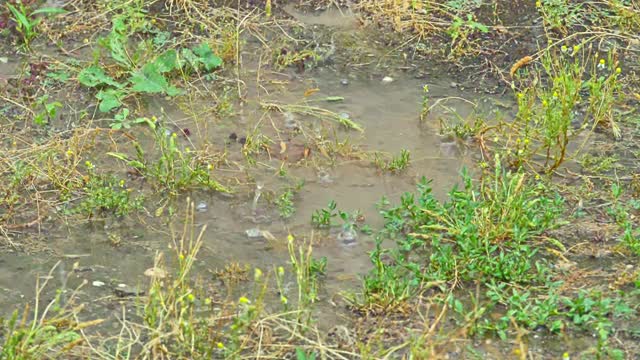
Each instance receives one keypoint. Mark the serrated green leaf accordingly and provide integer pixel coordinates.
(167, 62)
(117, 42)
(109, 99)
(207, 57)
(94, 76)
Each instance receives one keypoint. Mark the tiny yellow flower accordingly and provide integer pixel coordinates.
(544, 103)
(526, 141)
(69, 153)
(187, 149)
(207, 301)
(85, 40)
(174, 135)
(181, 257)
(191, 297)
(220, 345)
(284, 300)
(602, 62)
(555, 94)
(243, 300)
(618, 70)
(564, 48)
(576, 48)
(121, 183)
(538, 4)
(153, 21)
(290, 238)
(257, 275)
(280, 271)
(209, 167)
(154, 118)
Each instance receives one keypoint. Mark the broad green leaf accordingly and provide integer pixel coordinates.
(109, 99)
(149, 80)
(167, 62)
(60, 76)
(50, 11)
(207, 57)
(94, 76)
(190, 58)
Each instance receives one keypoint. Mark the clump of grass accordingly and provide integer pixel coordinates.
(49, 331)
(396, 164)
(176, 168)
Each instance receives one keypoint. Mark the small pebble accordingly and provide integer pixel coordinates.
(387, 79)
(97, 283)
(254, 233)
(453, 84)
(202, 207)
(344, 82)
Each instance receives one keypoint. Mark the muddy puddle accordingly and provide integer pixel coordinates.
(114, 253)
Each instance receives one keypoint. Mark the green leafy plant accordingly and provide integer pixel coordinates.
(481, 233)
(285, 204)
(106, 194)
(547, 108)
(322, 218)
(461, 31)
(122, 121)
(48, 110)
(142, 75)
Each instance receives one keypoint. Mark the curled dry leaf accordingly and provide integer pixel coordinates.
(155, 272)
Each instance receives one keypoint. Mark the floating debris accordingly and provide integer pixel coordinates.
(344, 82)
(98, 283)
(155, 272)
(387, 79)
(123, 290)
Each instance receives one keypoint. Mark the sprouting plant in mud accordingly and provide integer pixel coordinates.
(27, 19)
(322, 218)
